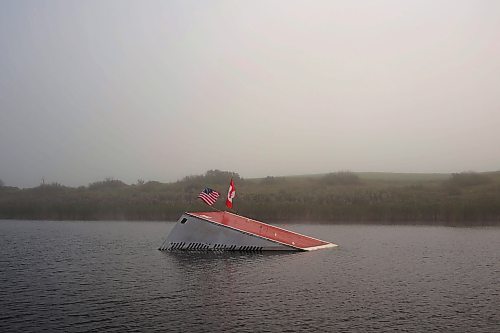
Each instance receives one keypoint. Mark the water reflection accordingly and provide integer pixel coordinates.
(80, 276)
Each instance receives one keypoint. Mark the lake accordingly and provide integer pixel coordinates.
(109, 277)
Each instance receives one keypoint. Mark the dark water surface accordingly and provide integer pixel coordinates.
(109, 276)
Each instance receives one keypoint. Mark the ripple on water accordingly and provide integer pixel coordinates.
(109, 276)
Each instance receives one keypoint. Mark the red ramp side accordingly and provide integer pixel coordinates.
(264, 230)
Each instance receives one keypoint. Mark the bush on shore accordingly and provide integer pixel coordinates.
(342, 197)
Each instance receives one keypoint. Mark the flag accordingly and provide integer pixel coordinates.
(209, 196)
(231, 193)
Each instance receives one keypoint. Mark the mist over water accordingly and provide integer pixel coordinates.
(109, 276)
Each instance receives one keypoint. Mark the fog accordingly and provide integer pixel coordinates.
(158, 90)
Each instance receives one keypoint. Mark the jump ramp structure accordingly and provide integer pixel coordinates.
(225, 231)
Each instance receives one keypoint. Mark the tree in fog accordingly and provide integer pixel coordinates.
(341, 178)
(470, 178)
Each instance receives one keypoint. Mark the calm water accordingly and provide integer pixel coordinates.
(109, 276)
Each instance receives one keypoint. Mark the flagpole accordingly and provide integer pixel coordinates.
(216, 209)
(213, 208)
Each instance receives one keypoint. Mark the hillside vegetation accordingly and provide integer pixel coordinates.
(344, 197)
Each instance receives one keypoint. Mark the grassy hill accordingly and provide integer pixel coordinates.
(343, 197)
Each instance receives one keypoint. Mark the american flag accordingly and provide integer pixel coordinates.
(209, 196)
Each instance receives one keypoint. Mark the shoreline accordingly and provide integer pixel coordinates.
(464, 199)
(467, 224)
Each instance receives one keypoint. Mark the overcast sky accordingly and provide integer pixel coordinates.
(163, 89)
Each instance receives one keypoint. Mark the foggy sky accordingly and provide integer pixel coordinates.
(163, 89)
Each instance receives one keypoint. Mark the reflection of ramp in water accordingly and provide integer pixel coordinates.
(224, 231)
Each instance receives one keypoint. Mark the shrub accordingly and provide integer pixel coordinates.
(464, 179)
(341, 178)
(108, 183)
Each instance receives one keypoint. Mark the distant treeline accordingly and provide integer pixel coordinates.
(467, 198)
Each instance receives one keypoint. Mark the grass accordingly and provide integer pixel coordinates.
(344, 197)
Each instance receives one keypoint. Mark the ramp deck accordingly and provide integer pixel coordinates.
(264, 230)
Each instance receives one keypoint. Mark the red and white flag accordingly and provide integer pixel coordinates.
(230, 195)
(208, 196)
